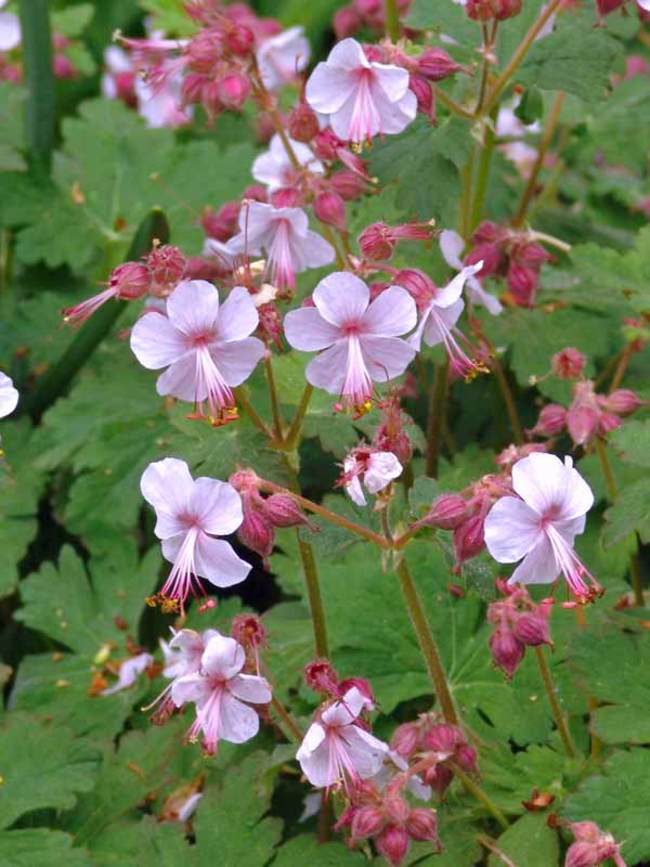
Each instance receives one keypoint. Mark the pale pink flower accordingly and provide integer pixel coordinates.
(189, 513)
(371, 468)
(336, 748)
(275, 169)
(280, 58)
(183, 653)
(8, 395)
(9, 29)
(205, 347)
(361, 339)
(118, 79)
(439, 317)
(222, 695)
(362, 98)
(451, 247)
(129, 672)
(540, 524)
(643, 4)
(160, 105)
(284, 235)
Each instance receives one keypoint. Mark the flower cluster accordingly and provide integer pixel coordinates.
(518, 623)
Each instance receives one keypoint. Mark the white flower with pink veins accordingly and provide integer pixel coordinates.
(222, 695)
(336, 748)
(275, 169)
(538, 526)
(374, 468)
(451, 247)
(280, 58)
(361, 339)
(8, 395)
(361, 98)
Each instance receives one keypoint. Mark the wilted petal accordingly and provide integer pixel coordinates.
(383, 467)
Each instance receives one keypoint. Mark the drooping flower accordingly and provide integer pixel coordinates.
(375, 469)
(361, 339)
(129, 672)
(275, 169)
(451, 247)
(127, 282)
(284, 235)
(361, 98)
(222, 695)
(205, 347)
(280, 58)
(190, 512)
(337, 749)
(8, 395)
(540, 524)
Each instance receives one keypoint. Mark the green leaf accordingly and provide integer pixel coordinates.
(41, 847)
(73, 20)
(306, 849)
(41, 766)
(630, 513)
(529, 841)
(618, 802)
(632, 442)
(147, 843)
(12, 138)
(448, 18)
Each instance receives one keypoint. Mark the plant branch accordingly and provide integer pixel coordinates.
(474, 789)
(39, 78)
(556, 710)
(436, 411)
(289, 725)
(293, 433)
(508, 399)
(245, 404)
(273, 395)
(451, 104)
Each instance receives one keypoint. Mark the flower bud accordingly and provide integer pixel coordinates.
(424, 96)
(348, 184)
(303, 123)
(256, 193)
(467, 758)
(622, 401)
(233, 90)
(346, 22)
(222, 224)
(447, 512)
(329, 208)
(533, 255)
(531, 628)
(469, 539)
(607, 6)
(326, 144)
(418, 284)
(507, 652)
(582, 855)
(362, 685)
(405, 739)
(283, 511)
(393, 844)
(366, 822)
(489, 254)
(551, 421)
(376, 242)
(256, 531)
(203, 51)
(63, 67)
(522, 282)
(288, 197)
(443, 738)
(569, 363)
(396, 809)
(607, 422)
(167, 266)
(422, 824)
(439, 777)
(435, 64)
(582, 423)
(192, 88)
(321, 676)
(239, 40)
(130, 280)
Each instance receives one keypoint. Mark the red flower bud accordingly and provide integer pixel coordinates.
(256, 531)
(289, 197)
(405, 739)
(522, 282)
(489, 254)
(443, 738)
(607, 6)
(283, 511)
(467, 758)
(321, 676)
(396, 809)
(393, 844)
(130, 280)
(551, 421)
(329, 208)
(348, 184)
(422, 824)
(240, 40)
(326, 144)
(569, 363)
(447, 512)
(582, 855)
(424, 95)
(377, 242)
(302, 123)
(622, 401)
(221, 224)
(469, 539)
(233, 90)
(248, 630)
(582, 423)
(366, 822)
(507, 652)
(167, 266)
(435, 64)
(439, 777)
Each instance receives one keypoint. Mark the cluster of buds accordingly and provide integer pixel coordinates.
(364, 15)
(438, 747)
(263, 515)
(492, 10)
(509, 253)
(518, 623)
(386, 817)
(391, 435)
(156, 275)
(592, 847)
(321, 677)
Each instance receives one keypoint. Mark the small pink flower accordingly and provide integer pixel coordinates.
(361, 98)
(451, 247)
(337, 749)
(275, 169)
(189, 513)
(374, 468)
(361, 339)
(222, 695)
(8, 395)
(129, 672)
(285, 236)
(280, 58)
(540, 524)
(205, 347)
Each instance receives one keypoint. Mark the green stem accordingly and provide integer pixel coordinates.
(637, 580)
(273, 394)
(58, 377)
(520, 54)
(508, 399)
(556, 710)
(293, 433)
(260, 424)
(464, 217)
(426, 641)
(39, 78)
(451, 104)
(289, 725)
(483, 174)
(392, 20)
(437, 406)
(474, 789)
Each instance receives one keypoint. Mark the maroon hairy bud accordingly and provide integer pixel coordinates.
(366, 822)
(507, 652)
(422, 824)
(393, 844)
(167, 265)
(405, 739)
(447, 512)
(569, 363)
(130, 280)
(435, 64)
(302, 123)
(329, 208)
(321, 676)
(551, 421)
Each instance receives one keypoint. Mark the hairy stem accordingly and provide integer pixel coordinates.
(293, 433)
(621, 367)
(289, 726)
(556, 710)
(451, 104)
(435, 415)
(508, 399)
(244, 403)
(474, 789)
(273, 395)
(426, 641)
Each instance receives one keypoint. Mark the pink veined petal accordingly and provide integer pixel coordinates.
(359, 118)
(393, 116)
(451, 247)
(271, 169)
(341, 298)
(8, 395)
(539, 566)
(255, 220)
(306, 330)
(571, 528)
(348, 54)
(383, 467)
(238, 359)
(238, 316)
(579, 498)
(327, 370)
(222, 658)
(551, 488)
(345, 710)
(512, 529)
(385, 357)
(391, 314)
(238, 721)
(314, 737)
(216, 506)
(191, 687)
(478, 295)
(193, 307)
(357, 384)
(366, 752)
(355, 492)
(179, 380)
(156, 343)
(314, 250)
(440, 321)
(217, 562)
(167, 485)
(249, 687)
(392, 80)
(315, 762)
(449, 294)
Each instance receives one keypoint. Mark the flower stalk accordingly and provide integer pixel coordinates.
(556, 710)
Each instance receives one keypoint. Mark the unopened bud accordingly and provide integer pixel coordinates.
(582, 423)
(240, 40)
(393, 844)
(422, 824)
(321, 676)
(222, 224)
(569, 363)
(424, 96)
(469, 539)
(551, 421)
(167, 265)
(130, 280)
(418, 284)
(329, 208)
(366, 822)
(396, 809)
(326, 144)
(405, 739)
(622, 401)
(507, 652)
(532, 628)
(522, 282)
(233, 90)
(376, 242)
(302, 123)
(288, 197)
(283, 511)
(256, 531)
(582, 855)
(447, 512)
(443, 738)
(248, 630)
(348, 184)
(435, 64)
(347, 22)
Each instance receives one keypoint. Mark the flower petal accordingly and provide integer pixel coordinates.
(511, 529)
(314, 758)
(217, 562)
(451, 247)
(167, 485)
(355, 492)
(238, 316)
(386, 357)
(179, 380)
(393, 81)
(365, 751)
(222, 658)
(327, 370)
(8, 395)
(216, 505)
(156, 343)
(391, 314)
(315, 251)
(237, 360)
(539, 566)
(306, 330)
(551, 488)
(193, 307)
(190, 687)
(248, 687)
(341, 298)
(383, 467)
(238, 722)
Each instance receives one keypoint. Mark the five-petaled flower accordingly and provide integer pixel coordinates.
(361, 98)
(205, 347)
(189, 513)
(275, 168)
(361, 339)
(374, 468)
(222, 695)
(451, 247)
(281, 57)
(540, 524)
